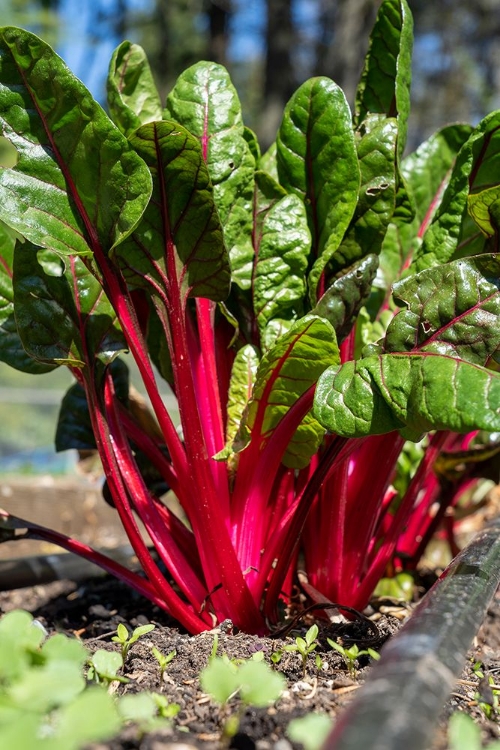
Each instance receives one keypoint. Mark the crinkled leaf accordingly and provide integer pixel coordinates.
(12, 350)
(453, 233)
(413, 393)
(377, 159)
(205, 101)
(74, 427)
(282, 242)
(384, 87)
(274, 329)
(65, 317)
(133, 98)
(453, 309)
(285, 372)
(317, 161)
(179, 241)
(342, 301)
(427, 172)
(77, 181)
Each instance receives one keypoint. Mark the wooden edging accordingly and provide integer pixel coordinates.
(400, 703)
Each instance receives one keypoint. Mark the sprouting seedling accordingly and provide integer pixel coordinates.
(163, 659)
(122, 637)
(253, 680)
(304, 646)
(352, 654)
(104, 666)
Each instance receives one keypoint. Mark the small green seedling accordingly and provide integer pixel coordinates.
(487, 696)
(253, 680)
(163, 659)
(150, 711)
(122, 637)
(310, 730)
(44, 697)
(352, 654)
(464, 734)
(104, 666)
(304, 646)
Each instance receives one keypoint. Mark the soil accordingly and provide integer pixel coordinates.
(91, 611)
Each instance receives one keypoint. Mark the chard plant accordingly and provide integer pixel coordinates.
(313, 309)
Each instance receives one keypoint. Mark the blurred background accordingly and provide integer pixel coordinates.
(269, 47)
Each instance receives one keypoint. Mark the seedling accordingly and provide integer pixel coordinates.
(122, 637)
(310, 730)
(253, 681)
(304, 646)
(104, 666)
(352, 653)
(43, 692)
(149, 711)
(464, 734)
(163, 659)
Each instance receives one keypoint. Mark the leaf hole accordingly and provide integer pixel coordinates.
(8, 153)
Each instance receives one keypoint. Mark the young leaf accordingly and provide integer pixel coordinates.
(451, 309)
(77, 182)
(453, 234)
(205, 101)
(413, 393)
(377, 160)
(384, 87)
(259, 685)
(285, 372)
(342, 301)
(180, 245)
(64, 314)
(240, 389)
(133, 98)
(282, 242)
(317, 161)
(427, 172)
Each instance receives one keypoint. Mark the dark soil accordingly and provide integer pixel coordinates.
(92, 611)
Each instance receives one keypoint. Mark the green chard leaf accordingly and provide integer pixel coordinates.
(384, 87)
(427, 172)
(429, 374)
(474, 185)
(181, 244)
(412, 393)
(74, 426)
(281, 244)
(61, 311)
(285, 372)
(267, 162)
(243, 374)
(12, 350)
(133, 98)
(342, 301)
(453, 309)
(376, 146)
(77, 183)
(317, 161)
(206, 103)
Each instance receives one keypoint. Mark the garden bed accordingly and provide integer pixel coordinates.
(91, 611)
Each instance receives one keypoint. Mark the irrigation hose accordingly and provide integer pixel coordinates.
(400, 703)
